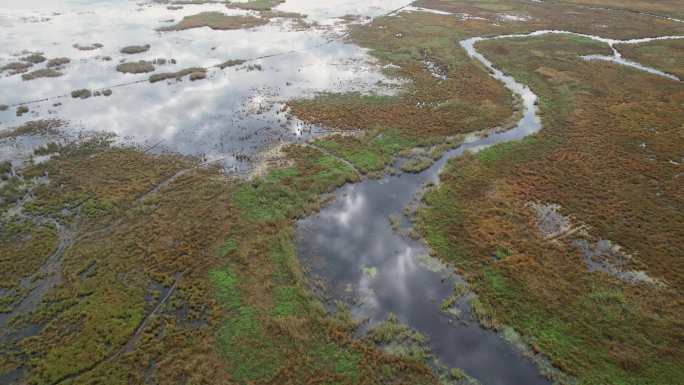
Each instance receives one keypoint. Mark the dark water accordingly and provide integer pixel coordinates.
(352, 247)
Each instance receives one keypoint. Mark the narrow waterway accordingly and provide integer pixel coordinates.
(357, 248)
(616, 57)
(352, 246)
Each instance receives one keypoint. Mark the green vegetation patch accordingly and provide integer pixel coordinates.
(256, 5)
(371, 152)
(217, 21)
(24, 247)
(284, 192)
(249, 353)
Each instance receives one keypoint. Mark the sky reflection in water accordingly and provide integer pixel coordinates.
(235, 111)
(352, 247)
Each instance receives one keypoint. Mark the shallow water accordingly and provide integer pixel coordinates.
(352, 247)
(235, 112)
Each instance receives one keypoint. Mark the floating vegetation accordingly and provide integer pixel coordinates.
(399, 340)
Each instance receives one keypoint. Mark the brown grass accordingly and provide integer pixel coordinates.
(468, 100)
(667, 55)
(592, 325)
(553, 15)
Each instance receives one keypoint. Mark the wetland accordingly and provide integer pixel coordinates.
(349, 192)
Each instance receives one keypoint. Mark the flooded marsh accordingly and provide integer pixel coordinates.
(346, 192)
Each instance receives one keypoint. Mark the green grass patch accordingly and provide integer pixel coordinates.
(285, 192)
(256, 5)
(249, 352)
(271, 198)
(341, 361)
(288, 301)
(370, 153)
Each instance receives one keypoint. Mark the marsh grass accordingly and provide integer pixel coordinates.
(256, 5)
(217, 21)
(591, 325)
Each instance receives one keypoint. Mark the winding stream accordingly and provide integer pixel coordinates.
(352, 247)
(615, 58)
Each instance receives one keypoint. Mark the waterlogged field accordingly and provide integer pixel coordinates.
(341, 192)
